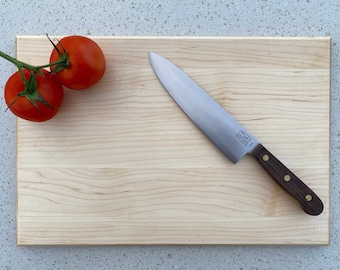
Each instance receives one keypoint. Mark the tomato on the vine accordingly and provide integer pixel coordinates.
(39, 100)
(85, 62)
(35, 94)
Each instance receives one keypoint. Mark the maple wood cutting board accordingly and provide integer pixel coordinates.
(122, 164)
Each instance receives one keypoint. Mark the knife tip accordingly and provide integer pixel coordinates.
(151, 54)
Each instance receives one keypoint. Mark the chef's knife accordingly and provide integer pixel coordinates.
(226, 133)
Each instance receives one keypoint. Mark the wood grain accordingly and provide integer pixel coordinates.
(122, 164)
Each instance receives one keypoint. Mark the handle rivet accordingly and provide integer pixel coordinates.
(308, 197)
(265, 157)
(286, 178)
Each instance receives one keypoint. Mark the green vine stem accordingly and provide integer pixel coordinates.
(20, 65)
(62, 63)
(36, 69)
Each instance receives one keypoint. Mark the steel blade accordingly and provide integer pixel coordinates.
(214, 121)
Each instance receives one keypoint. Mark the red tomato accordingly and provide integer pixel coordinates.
(86, 62)
(47, 97)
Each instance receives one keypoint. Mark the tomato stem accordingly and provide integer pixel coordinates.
(19, 64)
(62, 63)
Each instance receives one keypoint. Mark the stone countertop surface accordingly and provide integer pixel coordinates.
(164, 18)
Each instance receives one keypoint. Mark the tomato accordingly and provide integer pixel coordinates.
(45, 92)
(86, 62)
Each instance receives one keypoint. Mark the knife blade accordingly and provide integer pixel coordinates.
(226, 133)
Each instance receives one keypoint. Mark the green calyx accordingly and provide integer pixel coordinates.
(63, 62)
(31, 92)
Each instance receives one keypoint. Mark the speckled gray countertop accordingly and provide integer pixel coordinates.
(164, 18)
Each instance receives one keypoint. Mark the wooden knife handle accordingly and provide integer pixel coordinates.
(310, 202)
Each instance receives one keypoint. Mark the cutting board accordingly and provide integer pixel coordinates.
(121, 164)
